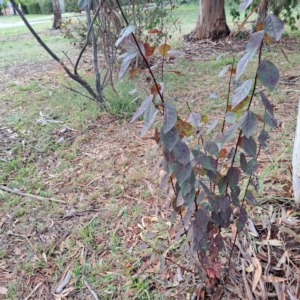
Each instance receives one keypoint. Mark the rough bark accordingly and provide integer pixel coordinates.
(211, 21)
(57, 14)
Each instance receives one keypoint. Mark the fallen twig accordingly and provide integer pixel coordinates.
(22, 236)
(91, 291)
(35, 289)
(39, 198)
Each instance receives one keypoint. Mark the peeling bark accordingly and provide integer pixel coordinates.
(211, 21)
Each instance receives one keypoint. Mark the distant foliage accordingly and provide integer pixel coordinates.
(38, 7)
(283, 8)
(209, 161)
(70, 5)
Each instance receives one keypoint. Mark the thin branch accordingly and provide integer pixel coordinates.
(228, 94)
(95, 54)
(77, 92)
(22, 236)
(39, 198)
(75, 77)
(66, 55)
(87, 36)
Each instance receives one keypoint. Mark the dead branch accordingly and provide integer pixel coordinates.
(39, 198)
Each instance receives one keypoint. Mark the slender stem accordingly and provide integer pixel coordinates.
(95, 55)
(228, 94)
(88, 36)
(142, 54)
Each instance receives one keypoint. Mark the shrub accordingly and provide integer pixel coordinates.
(33, 8)
(46, 7)
(70, 5)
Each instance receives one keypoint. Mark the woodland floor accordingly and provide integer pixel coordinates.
(114, 213)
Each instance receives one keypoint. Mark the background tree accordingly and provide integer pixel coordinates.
(56, 14)
(211, 21)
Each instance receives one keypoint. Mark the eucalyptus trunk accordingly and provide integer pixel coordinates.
(57, 14)
(211, 21)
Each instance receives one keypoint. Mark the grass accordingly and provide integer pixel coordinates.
(116, 213)
(14, 19)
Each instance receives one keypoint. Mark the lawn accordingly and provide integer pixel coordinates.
(100, 213)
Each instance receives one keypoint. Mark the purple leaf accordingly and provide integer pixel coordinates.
(200, 223)
(252, 166)
(224, 70)
(168, 155)
(149, 117)
(249, 146)
(203, 160)
(270, 120)
(268, 74)
(245, 4)
(229, 133)
(212, 148)
(232, 177)
(212, 126)
(248, 123)
(170, 117)
(243, 162)
(124, 33)
(225, 202)
(181, 172)
(170, 138)
(250, 198)
(241, 222)
(189, 184)
(263, 138)
(181, 152)
(241, 66)
(266, 103)
(125, 63)
(231, 117)
(241, 93)
(274, 27)
(254, 43)
(195, 119)
(142, 108)
(235, 196)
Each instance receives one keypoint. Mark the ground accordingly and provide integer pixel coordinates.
(112, 224)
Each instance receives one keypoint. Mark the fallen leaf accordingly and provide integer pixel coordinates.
(3, 290)
(275, 278)
(257, 274)
(155, 30)
(134, 72)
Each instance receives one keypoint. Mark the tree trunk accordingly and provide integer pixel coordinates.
(211, 21)
(57, 14)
